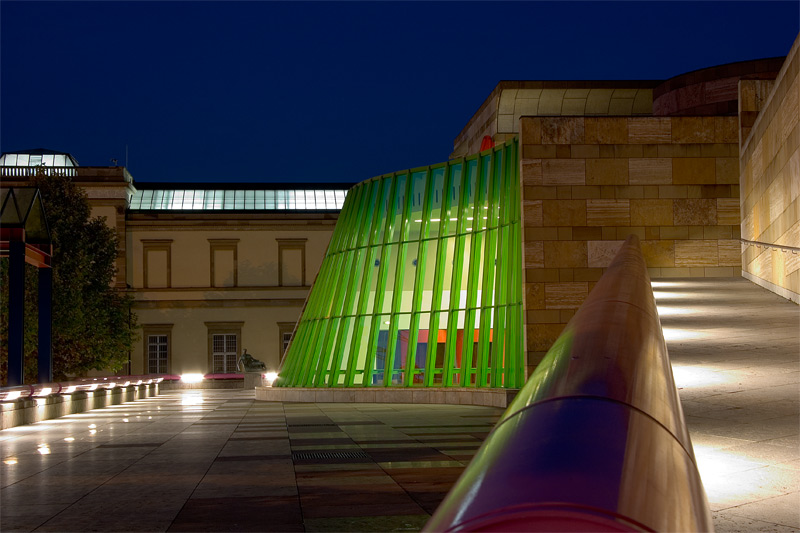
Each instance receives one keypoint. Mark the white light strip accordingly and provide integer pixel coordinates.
(246, 200)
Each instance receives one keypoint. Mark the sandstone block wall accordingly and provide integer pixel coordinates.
(770, 180)
(589, 182)
(712, 90)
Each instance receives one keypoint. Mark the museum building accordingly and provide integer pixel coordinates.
(214, 269)
(462, 273)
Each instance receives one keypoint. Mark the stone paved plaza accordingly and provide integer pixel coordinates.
(217, 460)
(220, 461)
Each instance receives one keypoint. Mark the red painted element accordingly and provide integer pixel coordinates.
(442, 336)
(12, 234)
(422, 338)
(38, 255)
(487, 142)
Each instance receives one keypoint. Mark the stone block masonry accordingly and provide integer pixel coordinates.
(589, 182)
(770, 179)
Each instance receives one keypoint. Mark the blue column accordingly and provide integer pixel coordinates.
(16, 313)
(45, 325)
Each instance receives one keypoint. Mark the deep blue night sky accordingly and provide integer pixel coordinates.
(285, 91)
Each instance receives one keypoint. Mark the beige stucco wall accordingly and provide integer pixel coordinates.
(108, 191)
(770, 181)
(109, 213)
(186, 307)
(260, 333)
(589, 182)
(257, 254)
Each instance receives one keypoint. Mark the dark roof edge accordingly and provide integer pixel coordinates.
(577, 84)
(723, 65)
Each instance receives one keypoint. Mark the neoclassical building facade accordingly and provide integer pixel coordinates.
(213, 269)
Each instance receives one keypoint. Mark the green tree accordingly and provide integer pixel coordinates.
(93, 325)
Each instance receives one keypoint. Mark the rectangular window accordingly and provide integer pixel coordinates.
(285, 332)
(224, 346)
(225, 353)
(287, 338)
(156, 354)
(157, 348)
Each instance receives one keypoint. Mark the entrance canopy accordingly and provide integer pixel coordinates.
(22, 219)
(25, 238)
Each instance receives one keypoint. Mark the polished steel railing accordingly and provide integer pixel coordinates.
(596, 439)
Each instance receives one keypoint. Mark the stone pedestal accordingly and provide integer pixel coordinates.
(253, 380)
(450, 395)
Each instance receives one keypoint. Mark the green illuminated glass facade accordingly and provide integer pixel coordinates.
(421, 284)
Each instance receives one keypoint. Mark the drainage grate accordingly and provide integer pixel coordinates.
(355, 454)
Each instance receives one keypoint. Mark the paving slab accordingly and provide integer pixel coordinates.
(218, 460)
(238, 465)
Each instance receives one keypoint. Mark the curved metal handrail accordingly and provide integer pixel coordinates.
(596, 439)
(780, 247)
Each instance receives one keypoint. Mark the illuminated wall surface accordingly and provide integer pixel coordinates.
(421, 283)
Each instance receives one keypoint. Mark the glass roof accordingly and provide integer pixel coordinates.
(238, 200)
(35, 160)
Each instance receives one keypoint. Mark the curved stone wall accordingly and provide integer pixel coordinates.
(710, 91)
(499, 115)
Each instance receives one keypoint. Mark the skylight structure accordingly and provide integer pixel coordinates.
(37, 157)
(238, 199)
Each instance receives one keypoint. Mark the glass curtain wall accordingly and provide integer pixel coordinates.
(421, 284)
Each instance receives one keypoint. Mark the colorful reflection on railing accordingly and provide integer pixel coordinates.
(421, 284)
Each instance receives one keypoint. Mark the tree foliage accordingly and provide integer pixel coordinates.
(93, 325)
